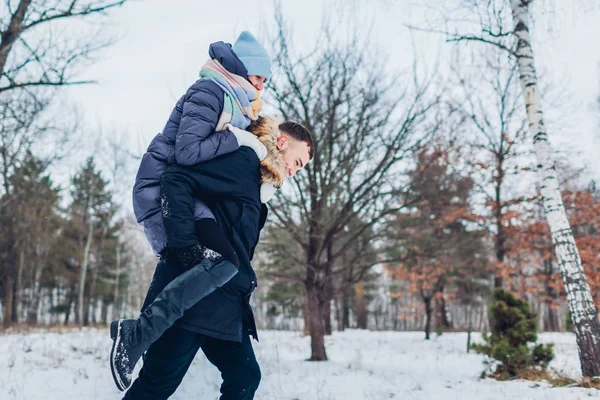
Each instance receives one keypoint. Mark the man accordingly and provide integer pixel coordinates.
(221, 323)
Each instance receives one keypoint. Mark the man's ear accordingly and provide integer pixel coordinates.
(282, 142)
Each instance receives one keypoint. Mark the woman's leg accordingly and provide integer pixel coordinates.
(131, 337)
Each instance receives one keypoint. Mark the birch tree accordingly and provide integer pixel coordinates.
(513, 36)
(579, 297)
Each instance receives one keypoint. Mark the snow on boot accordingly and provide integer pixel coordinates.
(126, 351)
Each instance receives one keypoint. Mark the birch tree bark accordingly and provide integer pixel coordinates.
(583, 310)
(117, 272)
(36, 296)
(18, 288)
(84, 268)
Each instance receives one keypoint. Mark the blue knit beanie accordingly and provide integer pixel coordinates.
(254, 57)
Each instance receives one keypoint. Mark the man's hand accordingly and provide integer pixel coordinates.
(248, 139)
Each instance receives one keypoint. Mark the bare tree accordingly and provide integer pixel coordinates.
(42, 49)
(39, 53)
(364, 127)
(117, 158)
(489, 97)
(34, 55)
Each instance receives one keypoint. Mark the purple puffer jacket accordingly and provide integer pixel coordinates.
(188, 138)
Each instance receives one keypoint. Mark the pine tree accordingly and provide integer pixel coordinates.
(31, 216)
(38, 229)
(433, 235)
(514, 329)
(90, 212)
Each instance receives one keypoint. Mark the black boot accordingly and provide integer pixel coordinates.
(124, 355)
(132, 337)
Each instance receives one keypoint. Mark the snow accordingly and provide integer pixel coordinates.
(363, 365)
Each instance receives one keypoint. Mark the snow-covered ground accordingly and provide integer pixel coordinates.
(363, 365)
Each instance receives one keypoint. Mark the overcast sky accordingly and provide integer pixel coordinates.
(164, 43)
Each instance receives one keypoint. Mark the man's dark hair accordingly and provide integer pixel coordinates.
(299, 133)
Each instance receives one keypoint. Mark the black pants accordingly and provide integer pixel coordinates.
(168, 359)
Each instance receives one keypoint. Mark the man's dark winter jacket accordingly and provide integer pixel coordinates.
(193, 120)
(230, 185)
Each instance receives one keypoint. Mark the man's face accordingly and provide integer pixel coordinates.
(295, 154)
(257, 81)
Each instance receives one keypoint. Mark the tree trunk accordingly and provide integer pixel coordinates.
(17, 297)
(327, 292)
(104, 313)
(93, 310)
(91, 300)
(551, 320)
(69, 299)
(445, 322)
(52, 300)
(9, 266)
(84, 268)
(469, 326)
(317, 328)
(326, 305)
(583, 310)
(86, 310)
(306, 315)
(8, 301)
(500, 242)
(428, 312)
(346, 309)
(68, 313)
(361, 306)
(117, 273)
(338, 312)
(32, 315)
(12, 32)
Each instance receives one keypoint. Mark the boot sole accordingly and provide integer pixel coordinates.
(116, 336)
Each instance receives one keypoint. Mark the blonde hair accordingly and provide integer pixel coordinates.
(267, 131)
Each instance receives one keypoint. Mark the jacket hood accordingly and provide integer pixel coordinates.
(223, 53)
(272, 168)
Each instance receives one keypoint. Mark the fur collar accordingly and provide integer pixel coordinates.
(272, 168)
